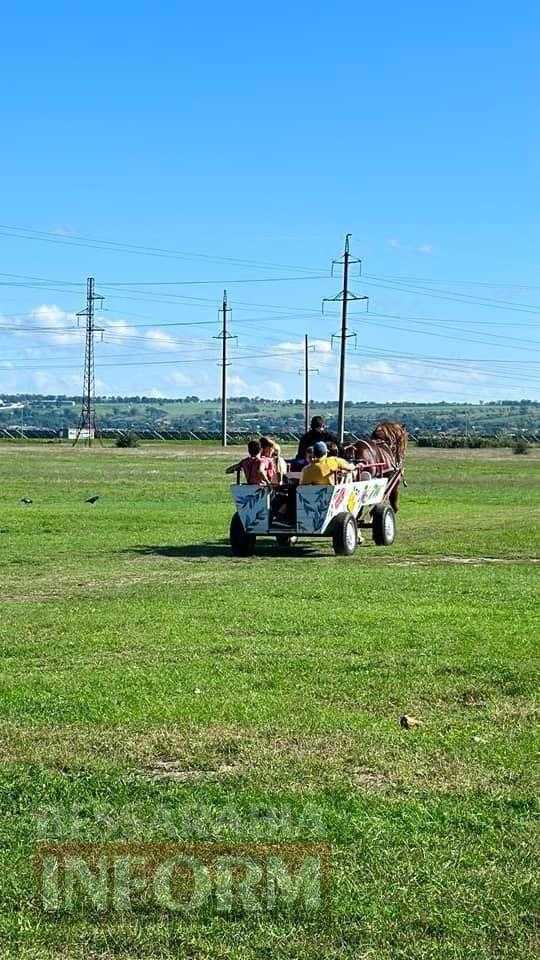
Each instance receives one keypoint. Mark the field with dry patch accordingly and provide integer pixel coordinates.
(154, 688)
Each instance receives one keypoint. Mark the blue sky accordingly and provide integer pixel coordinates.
(236, 134)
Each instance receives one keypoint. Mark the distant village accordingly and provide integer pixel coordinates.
(32, 413)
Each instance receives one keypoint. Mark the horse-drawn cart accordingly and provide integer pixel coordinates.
(338, 511)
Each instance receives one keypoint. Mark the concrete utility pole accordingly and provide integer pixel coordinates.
(87, 422)
(306, 370)
(344, 296)
(344, 335)
(224, 336)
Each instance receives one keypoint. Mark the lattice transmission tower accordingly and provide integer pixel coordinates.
(86, 430)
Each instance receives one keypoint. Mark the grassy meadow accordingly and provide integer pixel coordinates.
(154, 688)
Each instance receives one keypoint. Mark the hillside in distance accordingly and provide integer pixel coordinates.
(257, 414)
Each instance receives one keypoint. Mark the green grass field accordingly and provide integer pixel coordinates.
(155, 689)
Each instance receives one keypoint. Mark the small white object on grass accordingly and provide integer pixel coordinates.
(408, 722)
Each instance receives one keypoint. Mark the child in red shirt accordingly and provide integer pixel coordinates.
(257, 469)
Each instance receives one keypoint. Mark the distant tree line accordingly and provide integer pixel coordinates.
(472, 443)
(259, 415)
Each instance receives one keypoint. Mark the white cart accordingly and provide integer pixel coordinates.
(337, 511)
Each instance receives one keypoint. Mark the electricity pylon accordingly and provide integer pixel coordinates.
(87, 422)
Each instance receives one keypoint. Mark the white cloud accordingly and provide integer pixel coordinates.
(63, 231)
(236, 385)
(54, 320)
(153, 392)
(291, 346)
(50, 323)
(286, 356)
(156, 338)
(378, 368)
(119, 329)
(179, 379)
(44, 382)
(274, 390)
(198, 382)
(323, 355)
(324, 346)
(289, 355)
(161, 340)
(423, 248)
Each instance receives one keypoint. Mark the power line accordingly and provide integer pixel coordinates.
(459, 298)
(202, 359)
(457, 320)
(446, 336)
(193, 283)
(392, 376)
(476, 283)
(79, 240)
(452, 366)
(18, 280)
(171, 298)
(448, 325)
(27, 233)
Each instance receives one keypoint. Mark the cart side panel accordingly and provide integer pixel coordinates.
(253, 506)
(359, 495)
(312, 506)
(318, 505)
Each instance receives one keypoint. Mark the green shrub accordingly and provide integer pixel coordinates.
(454, 442)
(521, 446)
(128, 440)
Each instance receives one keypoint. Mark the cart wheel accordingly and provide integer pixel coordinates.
(242, 543)
(345, 535)
(285, 540)
(384, 525)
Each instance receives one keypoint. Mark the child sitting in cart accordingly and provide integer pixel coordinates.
(272, 450)
(257, 469)
(323, 468)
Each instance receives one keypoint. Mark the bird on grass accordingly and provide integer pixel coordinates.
(408, 722)
(92, 499)
(26, 500)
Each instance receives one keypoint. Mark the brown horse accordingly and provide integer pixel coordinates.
(381, 454)
(394, 435)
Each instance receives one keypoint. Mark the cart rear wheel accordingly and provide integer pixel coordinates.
(384, 525)
(345, 535)
(242, 543)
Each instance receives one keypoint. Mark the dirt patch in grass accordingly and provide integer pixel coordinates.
(472, 698)
(173, 770)
(165, 750)
(424, 561)
(111, 584)
(384, 764)
(371, 781)
(513, 713)
(160, 571)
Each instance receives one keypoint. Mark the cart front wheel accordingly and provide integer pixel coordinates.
(345, 535)
(242, 543)
(384, 525)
